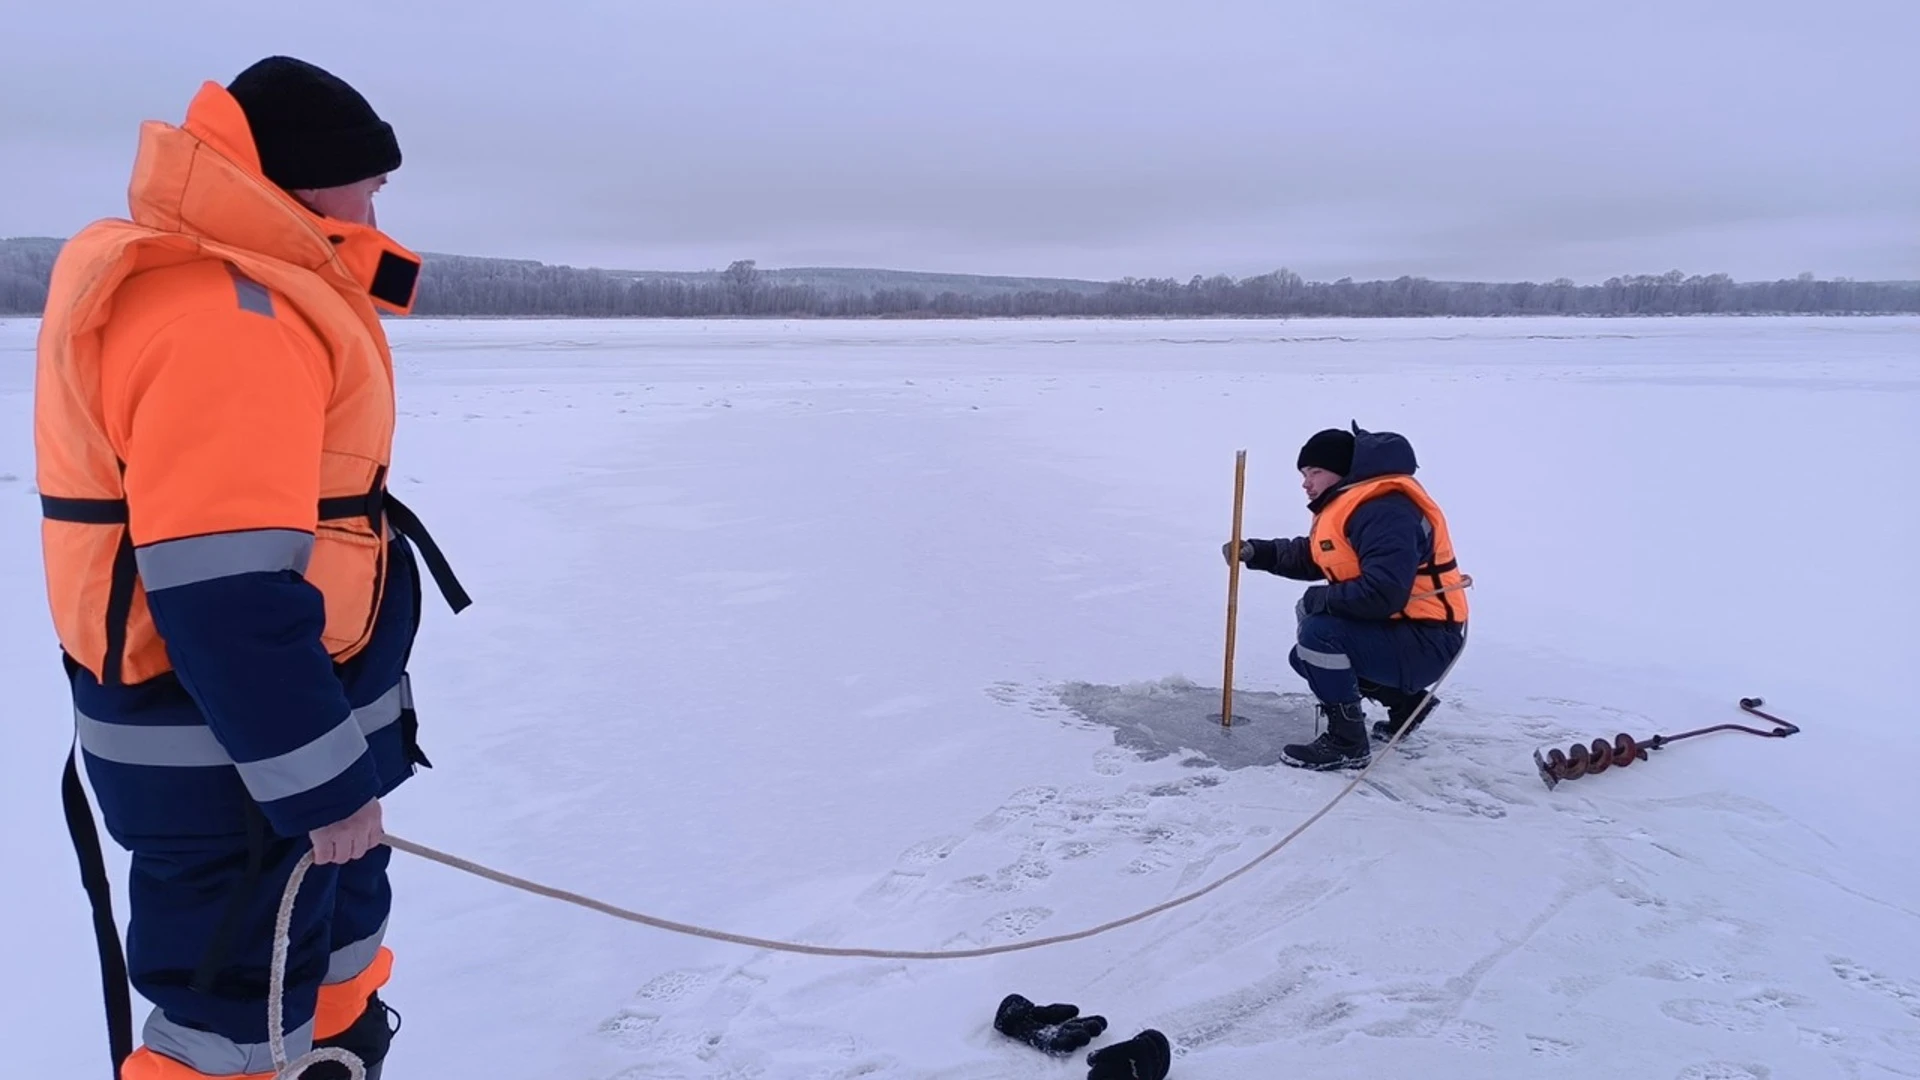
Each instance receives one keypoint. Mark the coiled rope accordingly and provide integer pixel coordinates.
(357, 1072)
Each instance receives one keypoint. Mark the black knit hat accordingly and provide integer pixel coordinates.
(1331, 450)
(312, 129)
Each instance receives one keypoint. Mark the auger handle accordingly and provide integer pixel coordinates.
(1752, 705)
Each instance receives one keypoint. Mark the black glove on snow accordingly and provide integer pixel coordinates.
(1051, 1029)
(1146, 1056)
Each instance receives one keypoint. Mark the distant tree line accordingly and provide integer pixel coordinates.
(482, 287)
(477, 287)
(25, 267)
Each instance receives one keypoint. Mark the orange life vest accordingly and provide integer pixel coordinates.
(1439, 590)
(211, 229)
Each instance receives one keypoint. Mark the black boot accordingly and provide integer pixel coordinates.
(368, 1039)
(1404, 709)
(1342, 746)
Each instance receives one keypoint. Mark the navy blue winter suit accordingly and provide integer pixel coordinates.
(195, 833)
(1346, 633)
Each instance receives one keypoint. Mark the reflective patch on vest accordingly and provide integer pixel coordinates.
(1326, 545)
(252, 295)
(173, 563)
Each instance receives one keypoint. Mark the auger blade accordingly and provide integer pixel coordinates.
(1545, 773)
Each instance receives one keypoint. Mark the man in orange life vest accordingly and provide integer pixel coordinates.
(1390, 614)
(234, 590)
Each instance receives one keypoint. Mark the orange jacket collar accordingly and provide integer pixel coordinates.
(203, 178)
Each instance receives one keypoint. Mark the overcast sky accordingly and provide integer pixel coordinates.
(1486, 139)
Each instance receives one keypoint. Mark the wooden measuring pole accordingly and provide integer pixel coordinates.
(1233, 585)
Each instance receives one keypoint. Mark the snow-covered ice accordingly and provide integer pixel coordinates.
(771, 630)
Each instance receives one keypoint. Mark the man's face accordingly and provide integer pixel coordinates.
(351, 203)
(1315, 480)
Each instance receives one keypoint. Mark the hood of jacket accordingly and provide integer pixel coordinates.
(1375, 454)
(202, 178)
(1379, 453)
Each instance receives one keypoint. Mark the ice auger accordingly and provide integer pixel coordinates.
(1624, 750)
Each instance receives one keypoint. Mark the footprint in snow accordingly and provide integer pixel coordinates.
(1714, 1014)
(1771, 1000)
(1190, 786)
(674, 985)
(1470, 1035)
(1021, 805)
(1546, 1046)
(1578, 986)
(1747, 1016)
(631, 1030)
(1074, 849)
(1017, 923)
(930, 852)
(1723, 1070)
(1677, 971)
(890, 889)
(1863, 978)
(1006, 693)
(1822, 1038)
(1022, 873)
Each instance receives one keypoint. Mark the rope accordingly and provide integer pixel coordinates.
(276, 995)
(468, 866)
(356, 1070)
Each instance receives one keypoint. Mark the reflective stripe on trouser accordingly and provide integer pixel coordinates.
(173, 1052)
(1335, 653)
(148, 1064)
(212, 1055)
(336, 956)
(194, 746)
(1321, 656)
(347, 961)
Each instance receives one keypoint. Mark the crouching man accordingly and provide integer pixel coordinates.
(1389, 613)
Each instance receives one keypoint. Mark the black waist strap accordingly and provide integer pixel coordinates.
(407, 523)
(1434, 570)
(377, 506)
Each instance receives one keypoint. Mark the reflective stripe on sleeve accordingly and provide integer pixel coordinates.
(173, 563)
